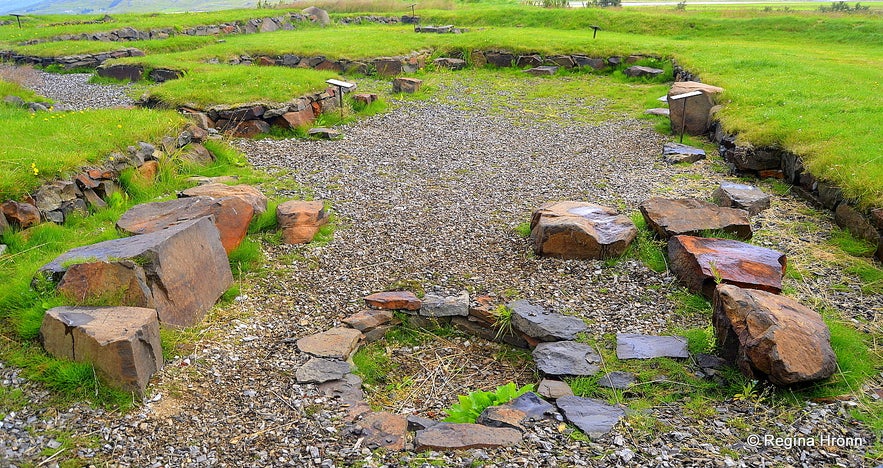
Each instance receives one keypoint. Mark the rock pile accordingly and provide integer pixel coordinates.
(69, 62)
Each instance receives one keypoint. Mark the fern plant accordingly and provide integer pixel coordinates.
(471, 406)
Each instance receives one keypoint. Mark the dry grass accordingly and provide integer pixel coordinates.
(373, 6)
(23, 76)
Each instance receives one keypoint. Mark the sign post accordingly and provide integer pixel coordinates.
(341, 86)
(683, 97)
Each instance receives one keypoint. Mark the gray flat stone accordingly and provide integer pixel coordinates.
(663, 111)
(554, 389)
(536, 322)
(566, 358)
(318, 370)
(634, 346)
(437, 306)
(674, 153)
(594, 417)
(348, 389)
(532, 405)
(618, 380)
(324, 133)
(743, 196)
(540, 71)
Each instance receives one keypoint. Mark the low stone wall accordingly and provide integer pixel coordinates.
(369, 19)
(69, 61)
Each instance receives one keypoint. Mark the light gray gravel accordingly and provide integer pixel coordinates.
(73, 91)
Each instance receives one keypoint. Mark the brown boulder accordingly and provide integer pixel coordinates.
(230, 215)
(569, 229)
(394, 300)
(672, 217)
(247, 193)
(370, 319)
(406, 85)
(300, 220)
(24, 215)
(121, 342)
(149, 170)
(195, 153)
(772, 336)
(698, 112)
(116, 282)
(338, 343)
(301, 118)
(448, 436)
(388, 66)
(700, 262)
(185, 266)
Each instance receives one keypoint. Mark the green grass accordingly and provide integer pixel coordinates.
(645, 247)
(851, 244)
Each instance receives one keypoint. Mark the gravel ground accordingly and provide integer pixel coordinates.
(71, 91)
(430, 193)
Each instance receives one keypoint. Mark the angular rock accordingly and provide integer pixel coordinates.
(318, 15)
(186, 267)
(742, 196)
(245, 128)
(379, 333)
(324, 133)
(542, 71)
(388, 66)
(852, 220)
(299, 221)
(24, 215)
(247, 193)
(416, 423)
(700, 263)
(537, 322)
(118, 282)
(370, 319)
(499, 59)
(437, 306)
(639, 71)
(501, 416)
(584, 61)
(337, 343)
(149, 170)
(772, 336)
(569, 229)
(121, 342)
(347, 390)
(618, 380)
(394, 300)
(195, 153)
(319, 370)
(46, 199)
(594, 417)
(122, 72)
(383, 430)
(560, 358)
(635, 346)
(662, 111)
(710, 361)
(230, 215)
(672, 217)
(675, 153)
(554, 389)
(533, 407)
(161, 75)
(450, 63)
(301, 118)
(563, 61)
(93, 199)
(406, 85)
(696, 118)
(4, 225)
(449, 436)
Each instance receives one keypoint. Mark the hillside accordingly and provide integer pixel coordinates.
(80, 7)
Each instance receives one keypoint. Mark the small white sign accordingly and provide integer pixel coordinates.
(341, 84)
(685, 95)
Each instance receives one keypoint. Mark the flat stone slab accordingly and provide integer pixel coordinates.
(319, 370)
(338, 343)
(675, 153)
(299, 220)
(742, 196)
(394, 300)
(406, 85)
(688, 216)
(638, 70)
(324, 133)
(449, 306)
(618, 380)
(231, 215)
(501, 416)
(635, 346)
(594, 417)
(554, 389)
(347, 390)
(121, 342)
(247, 193)
(383, 430)
(532, 406)
(701, 262)
(370, 319)
(542, 71)
(663, 111)
(536, 322)
(185, 268)
(570, 229)
(772, 336)
(451, 63)
(449, 436)
(560, 358)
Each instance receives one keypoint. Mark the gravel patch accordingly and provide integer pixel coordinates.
(430, 193)
(73, 91)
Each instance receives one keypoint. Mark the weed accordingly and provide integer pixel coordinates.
(471, 406)
(523, 230)
(851, 244)
(503, 320)
(870, 275)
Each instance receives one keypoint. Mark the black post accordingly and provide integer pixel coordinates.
(684, 120)
(595, 31)
(412, 9)
(18, 18)
(340, 100)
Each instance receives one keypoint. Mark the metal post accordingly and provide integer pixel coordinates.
(684, 119)
(412, 9)
(340, 101)
(683, 97)
(595, 30)
(18, 17)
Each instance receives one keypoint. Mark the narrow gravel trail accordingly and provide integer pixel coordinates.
(73, 91)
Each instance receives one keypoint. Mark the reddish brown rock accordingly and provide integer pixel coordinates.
(24, 215)
(502, 416)
(394, 300)
(198, 154)
(698, 113)
(186, 267)
(301, 118)
(672, 217)
(121, 342)
(364, 98)
(86, 182)
(448, 436)
(406, 85)
(300, 220)
(772, 336)
(4, 225)
(700, 262)
(230, 215)
(149, 170)
(388, 66)
(370, 319)
(117, 282)
(338, 343)
(247, 193)
(383, 430)
(245, 128)
(265, 61)
(569, 229)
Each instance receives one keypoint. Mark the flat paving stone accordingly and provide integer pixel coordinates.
(566, 358)
(594, 417)
(618, 380)
(319, 370)
(537, 322)
(635, 346)
(338, 343)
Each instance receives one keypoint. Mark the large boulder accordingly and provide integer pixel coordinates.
(121, 342)
(247, 193)
(570, 229)
(24, 215)
(767, 335)
(694, 114)
(318, 15)
(185, 267)
(122, 72)
(672, 217)
(743, 196)
(231, 215)
(300, 220)
(701, 262)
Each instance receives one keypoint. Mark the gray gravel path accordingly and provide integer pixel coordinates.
(74, 92)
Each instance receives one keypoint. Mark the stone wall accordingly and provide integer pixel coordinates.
(69, 61)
